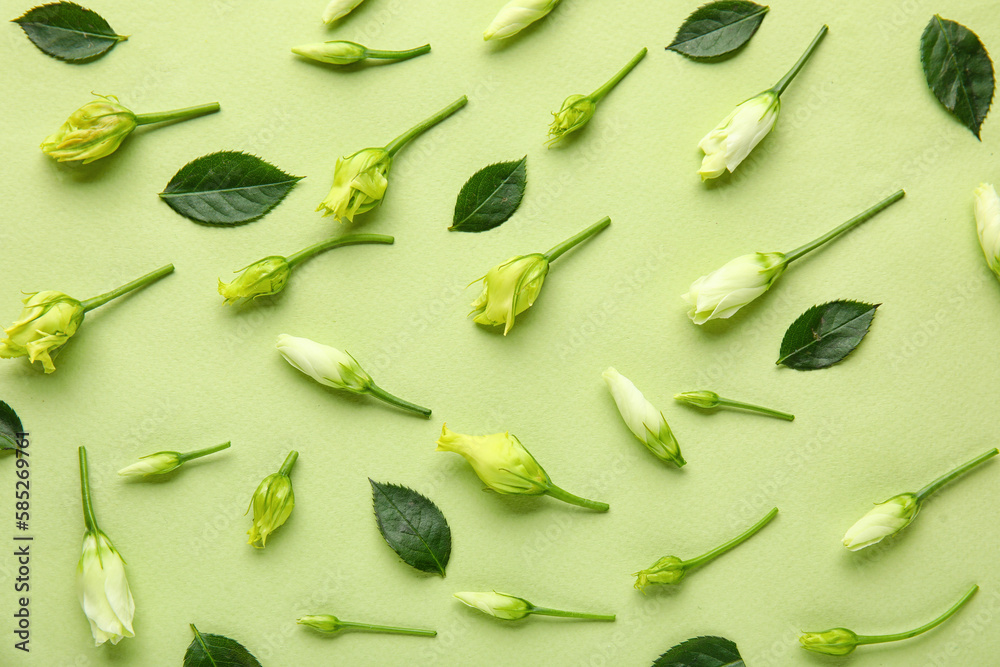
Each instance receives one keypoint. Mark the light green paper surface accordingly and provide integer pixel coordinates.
(171, 368)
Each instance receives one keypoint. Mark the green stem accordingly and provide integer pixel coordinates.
(418, 129)
(750, 532)
(728, 402)
(553, 254)
(286, 467)
(176, 114)
(599, 94)
(204, 452)
(545, 611)
(957, 472)
(850, 224)
(98, 301)
(779, 87)
(880, 639)
(567, 497)
(381, 394)
(367, 627)
(88, 508)
(398, 55)
(352, 239)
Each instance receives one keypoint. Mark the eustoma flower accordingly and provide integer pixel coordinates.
(100, 576)
(891, 516)
(517, 15)
(161, 463)
(338, 9)
(643, 419)
(328, 365)
(511, 608)
(49, 319)
(841, 641)
(96, 129)
(348, 53)
(331, 625)
(720, 294)
(577, 110)
(732, 140)
(506, 466)
(709, 400)
(360, 180)
(272, 502)
(988, 224)
(511, 288)
(671, 569)
(268, 276)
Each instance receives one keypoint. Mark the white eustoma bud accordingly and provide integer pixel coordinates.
(499, 605)
(732, 140)
(154, 464)
(103, 590)
(516, 16)
(645, 421)
(327, 365)
(724, 291)
(338, 9)
(988, 224)
(882, 521)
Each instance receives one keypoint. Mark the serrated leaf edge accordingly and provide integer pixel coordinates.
(517, 163)
(117, 38)
(670, 47)
(378, 485)
(692, 639)
(872, 306)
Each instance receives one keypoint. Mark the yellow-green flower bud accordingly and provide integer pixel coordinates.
(347, 53)
(262, 278)
(667, 570)
(359, 184)
(159, 463)
(338, 9)
(339, 52)
(332, 625)
(576, 112)
(322, 622)
(93, 131)
(272, 503)
(499, 605)
(517, 15)
(47, 321)
(838, 641)
(882, 521)
(500, 460)
(699, 399)
(509, 289)
(988, 224)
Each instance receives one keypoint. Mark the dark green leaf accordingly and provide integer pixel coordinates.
(10, 426)
(490, 197)
(217, 651)
(227, 188)
(718, 28)
(413, 526)
(69, 32)
(702, 652)
(958, 70)
(824, 335)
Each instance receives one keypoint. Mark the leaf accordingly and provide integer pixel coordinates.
(10, 426)
(227, 188)
(69, 32)
(824, 335)
(702, 652)
(217, 651)
(413, 526)
(958, 70)
(718, 28)
(490, 197)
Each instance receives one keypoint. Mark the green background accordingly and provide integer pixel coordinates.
(171, 368)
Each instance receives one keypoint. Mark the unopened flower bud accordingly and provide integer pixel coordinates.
(272, 503)
(93, 131)
(262, 278)
(882, 521)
